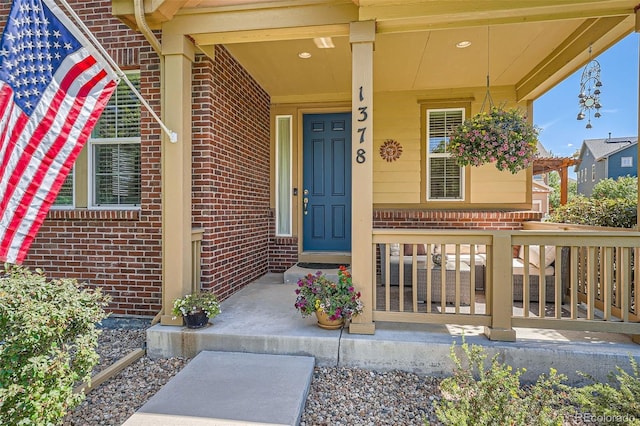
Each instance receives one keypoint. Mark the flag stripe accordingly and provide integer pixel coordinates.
(59, 143)
(30, 144)
(36, 213)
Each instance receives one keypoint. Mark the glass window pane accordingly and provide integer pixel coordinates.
(117, 174)
(445, 176)
(283, 175)
(115, 145)
(121, 116)
(65, 195)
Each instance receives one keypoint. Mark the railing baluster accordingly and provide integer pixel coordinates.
(429, 267)
(606, 285)
(457, 274)
(575, 279)
(387, 282)
(625, 280)
(591, 281)
(472, 278)
(558, 282)
(542, 281)
(414, 277)
(525, 282)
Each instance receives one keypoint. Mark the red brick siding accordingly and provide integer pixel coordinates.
(231, 173)
(283, 252)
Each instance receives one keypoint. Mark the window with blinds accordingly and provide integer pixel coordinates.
(445, 178)
(65, 195)
(115, 150)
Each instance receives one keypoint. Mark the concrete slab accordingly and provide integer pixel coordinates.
(261, 318)
(230, 388)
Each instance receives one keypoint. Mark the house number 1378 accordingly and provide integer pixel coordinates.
(363, 118)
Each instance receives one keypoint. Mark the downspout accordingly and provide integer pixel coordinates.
(144, 28)
(141, 22)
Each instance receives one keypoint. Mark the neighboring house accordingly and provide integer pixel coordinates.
(281, 109)
(605, 158)
(541, 193)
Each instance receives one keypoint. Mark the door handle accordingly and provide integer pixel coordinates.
(305, 203)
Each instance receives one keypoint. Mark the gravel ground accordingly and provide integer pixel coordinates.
(338, 396)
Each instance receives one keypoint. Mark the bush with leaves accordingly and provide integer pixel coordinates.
(618, 213)
(48, 341)
(612, 404)
(477, 395)
(625, 187)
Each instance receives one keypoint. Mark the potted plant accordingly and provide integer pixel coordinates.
(503, 137)
(197, 308)
(331, 302)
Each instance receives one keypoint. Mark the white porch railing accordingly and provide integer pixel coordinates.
(572, 280)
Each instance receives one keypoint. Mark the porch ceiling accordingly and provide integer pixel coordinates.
(527, 45)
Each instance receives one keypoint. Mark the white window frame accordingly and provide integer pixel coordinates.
(441, 155)
(284, 184)
(92, 144)
(593, 173)
(626, 161)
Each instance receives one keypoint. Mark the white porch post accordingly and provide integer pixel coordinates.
(362, 36)
(179, 55)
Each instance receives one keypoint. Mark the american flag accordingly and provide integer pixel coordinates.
(53, 87)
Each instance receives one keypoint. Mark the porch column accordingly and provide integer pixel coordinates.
(178, 53)
(501, 299)
(361, 36)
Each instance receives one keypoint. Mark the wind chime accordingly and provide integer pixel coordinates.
(589, 97)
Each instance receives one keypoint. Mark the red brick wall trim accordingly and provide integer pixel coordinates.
(451, 219)
(94, 214)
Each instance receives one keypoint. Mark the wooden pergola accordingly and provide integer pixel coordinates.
(559, 164)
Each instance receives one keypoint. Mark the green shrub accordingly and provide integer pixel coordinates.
(625, 187)
(609, 404)
(619, 213)
(476, 395)
(48, 338)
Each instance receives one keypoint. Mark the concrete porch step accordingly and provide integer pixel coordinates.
(231, 388)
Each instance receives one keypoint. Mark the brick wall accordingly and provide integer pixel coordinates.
(433, 219)
(231, 173)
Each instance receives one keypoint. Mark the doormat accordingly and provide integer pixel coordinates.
(319, 266)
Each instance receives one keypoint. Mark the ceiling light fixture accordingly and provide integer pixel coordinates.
(324, 42)
(463, 44)
(304, 55)
(589, 96)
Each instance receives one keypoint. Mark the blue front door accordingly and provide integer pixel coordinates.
(326, 193)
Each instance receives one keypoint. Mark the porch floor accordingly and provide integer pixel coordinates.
(261, 319)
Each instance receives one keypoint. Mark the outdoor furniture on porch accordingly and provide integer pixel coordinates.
(550, 270)
(436, 275)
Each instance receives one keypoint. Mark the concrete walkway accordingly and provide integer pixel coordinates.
(230, 388)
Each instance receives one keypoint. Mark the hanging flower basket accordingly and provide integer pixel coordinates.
(503, 137)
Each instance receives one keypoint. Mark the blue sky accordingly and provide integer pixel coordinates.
(555, 112)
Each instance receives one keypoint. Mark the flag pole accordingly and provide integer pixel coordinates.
(173, 136)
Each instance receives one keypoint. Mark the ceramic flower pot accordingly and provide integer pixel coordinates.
(326, 323)
(196, 320)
